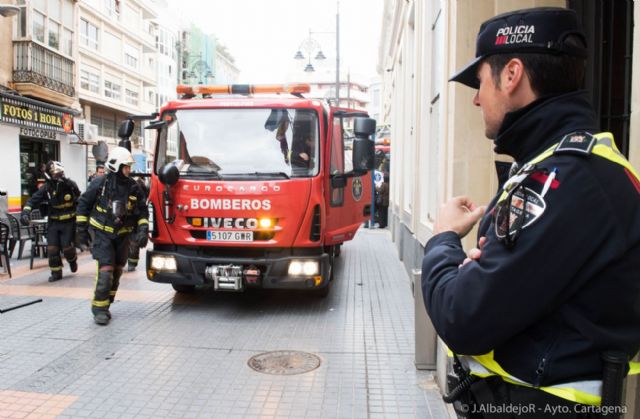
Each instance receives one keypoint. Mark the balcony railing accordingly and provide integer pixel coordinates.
(33, 63)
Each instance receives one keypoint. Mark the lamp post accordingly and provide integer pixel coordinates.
(8, 10)
(310, 45)
(196, 67)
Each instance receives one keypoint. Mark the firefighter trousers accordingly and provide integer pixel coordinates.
(111, 254)
(60, 236)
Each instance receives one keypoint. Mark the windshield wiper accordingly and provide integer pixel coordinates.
(270, 174)
(201, 174)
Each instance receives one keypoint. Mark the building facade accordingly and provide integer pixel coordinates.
(438, 134)
(117, 60)
(38, 98)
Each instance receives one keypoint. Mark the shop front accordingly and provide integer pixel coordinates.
(32, 133)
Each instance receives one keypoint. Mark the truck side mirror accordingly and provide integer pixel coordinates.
(169, 174)
(126, 129)
(363, 147)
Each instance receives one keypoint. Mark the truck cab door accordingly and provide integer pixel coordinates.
(348, 198)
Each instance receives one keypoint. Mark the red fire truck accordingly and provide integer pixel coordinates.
(255, 186)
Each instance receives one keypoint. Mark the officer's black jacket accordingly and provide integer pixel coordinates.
(570, 287)
(97, 202)
(61, 196)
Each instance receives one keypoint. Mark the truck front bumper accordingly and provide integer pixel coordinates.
(189, 270)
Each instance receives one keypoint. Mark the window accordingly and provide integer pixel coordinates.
(113, 89)
(131, 95)
(88, 34)
(131, 56)
(54, 9)
(67, 42)
(67, 13)
(38, 26)
(337, 159)
(112, 8)
(90, 79)
(54, 35)
(112, 47)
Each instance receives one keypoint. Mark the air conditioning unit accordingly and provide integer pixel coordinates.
(88, 133)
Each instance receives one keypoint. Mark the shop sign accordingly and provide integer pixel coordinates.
(38, 117)
(38, 133)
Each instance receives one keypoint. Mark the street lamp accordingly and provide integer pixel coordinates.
(199, 68)
(310, 45)
(7, 10)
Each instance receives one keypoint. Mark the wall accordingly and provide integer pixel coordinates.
(10, 180)
(6, 49)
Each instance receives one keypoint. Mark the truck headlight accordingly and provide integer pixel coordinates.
(163, 263)
(303, 267)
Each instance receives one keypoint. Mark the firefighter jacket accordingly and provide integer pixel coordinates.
(113, 204)
(61, 196)
(564, 287)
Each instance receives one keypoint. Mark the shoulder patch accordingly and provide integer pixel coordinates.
(578, 142)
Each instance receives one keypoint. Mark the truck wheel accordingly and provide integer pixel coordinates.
(185, 289)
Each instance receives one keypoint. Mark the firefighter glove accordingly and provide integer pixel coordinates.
(82, 236)
(142, 237)
(25, 219)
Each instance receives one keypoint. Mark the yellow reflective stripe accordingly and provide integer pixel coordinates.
(81, 218)
(100, 209)
(65, 205)
(26, 208)
(143, 221)
(606, 148)
(544, 155)
(99, 226)
(634, 368)
(112, 293)
(573, 395)
(101, 303)
(133, 197)
(63, 217)
(124, 230)
(55, 268)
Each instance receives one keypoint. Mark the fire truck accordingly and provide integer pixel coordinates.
(255, 186)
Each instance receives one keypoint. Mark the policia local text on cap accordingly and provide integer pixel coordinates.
(546, 306)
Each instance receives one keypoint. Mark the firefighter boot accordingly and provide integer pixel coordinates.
(55, 276)
(131, 266)
(101, 301)
(72, 257)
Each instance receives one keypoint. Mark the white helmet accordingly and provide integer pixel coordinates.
(54, 169)
(117, 157)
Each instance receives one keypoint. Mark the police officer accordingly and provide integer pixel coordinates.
(134, 248)
(113, 206)
(61, 194)
(553, 282)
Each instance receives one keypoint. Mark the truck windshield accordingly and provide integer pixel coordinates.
(240, 143)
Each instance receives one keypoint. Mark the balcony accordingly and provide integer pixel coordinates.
(36, 65)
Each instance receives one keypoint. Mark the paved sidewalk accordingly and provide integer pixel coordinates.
(175, 356)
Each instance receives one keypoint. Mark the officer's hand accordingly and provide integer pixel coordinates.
(475, 253)
(142, 237)
(24, 218)
(459, 215)
(82, 236)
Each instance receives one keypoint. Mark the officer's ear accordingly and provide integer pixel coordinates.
(513, 75)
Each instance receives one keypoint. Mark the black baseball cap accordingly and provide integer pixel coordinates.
(538, 30)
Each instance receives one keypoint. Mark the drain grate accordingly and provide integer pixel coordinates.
(284, 362)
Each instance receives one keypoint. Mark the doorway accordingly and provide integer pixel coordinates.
(34, 152)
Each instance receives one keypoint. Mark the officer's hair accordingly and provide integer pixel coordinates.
(549, 74)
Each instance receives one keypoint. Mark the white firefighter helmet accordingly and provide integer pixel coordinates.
(54, 169)
(117, 157)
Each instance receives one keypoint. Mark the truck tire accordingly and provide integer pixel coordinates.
(184, 289)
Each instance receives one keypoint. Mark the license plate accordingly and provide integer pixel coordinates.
(230, 236)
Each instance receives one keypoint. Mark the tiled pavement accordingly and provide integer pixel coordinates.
(174, 356)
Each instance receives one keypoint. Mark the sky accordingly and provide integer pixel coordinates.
(264, 35)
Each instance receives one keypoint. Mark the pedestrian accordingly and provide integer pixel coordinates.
(99, 172)
(553, 282)
(382, 202)
(134, 247)
(112, 206)
(61, 194)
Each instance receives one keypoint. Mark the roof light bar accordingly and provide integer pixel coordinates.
(242, 89)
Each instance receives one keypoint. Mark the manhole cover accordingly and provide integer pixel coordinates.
(284, 362)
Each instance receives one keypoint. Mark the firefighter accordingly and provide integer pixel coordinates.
(61, 194)
(113, 206)
(134, 248)
(553, 282)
